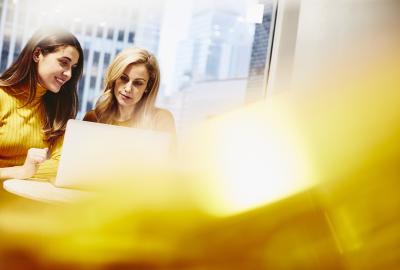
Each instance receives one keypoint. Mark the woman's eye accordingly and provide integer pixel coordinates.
(63, 63)
(124, 78)
(138, 83)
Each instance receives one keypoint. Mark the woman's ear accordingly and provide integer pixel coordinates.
(36, 55)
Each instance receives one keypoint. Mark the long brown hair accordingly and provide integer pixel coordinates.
(107, 106)
(21, 78)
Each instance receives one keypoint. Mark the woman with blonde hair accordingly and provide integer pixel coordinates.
(38, 95)
(131, 85)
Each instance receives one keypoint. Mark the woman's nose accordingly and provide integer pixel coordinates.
(67, 73)
(129, 87)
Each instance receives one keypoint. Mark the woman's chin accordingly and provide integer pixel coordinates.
(125, 104)
(54, 89)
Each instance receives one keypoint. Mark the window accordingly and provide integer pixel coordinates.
(92, 82)
(110, 33)
(86, 53)
(96, 57)
(120, 35)
(17, 49)
(213, 56)
(131, 37)
(80, 88)
(4, 54)
(99, 32)
(106, 59)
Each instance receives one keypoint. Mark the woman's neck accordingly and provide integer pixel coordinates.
(124, 113)
(22, 91)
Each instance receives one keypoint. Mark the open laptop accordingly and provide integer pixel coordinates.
(97, 156)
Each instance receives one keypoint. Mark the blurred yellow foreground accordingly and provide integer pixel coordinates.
(308, 179)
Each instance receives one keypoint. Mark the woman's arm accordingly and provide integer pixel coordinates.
(48, 169)
(34, 158)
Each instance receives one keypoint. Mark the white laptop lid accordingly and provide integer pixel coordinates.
(95, 154)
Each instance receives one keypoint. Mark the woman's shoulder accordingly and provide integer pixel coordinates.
(13, 93)
(4, 92)
(160, 112)
(90, 116)
(164, 120)
(7, 101)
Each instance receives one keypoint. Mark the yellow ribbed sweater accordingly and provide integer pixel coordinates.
(21, 129)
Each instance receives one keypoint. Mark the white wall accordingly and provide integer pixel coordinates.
(283, 47)
(334, 38)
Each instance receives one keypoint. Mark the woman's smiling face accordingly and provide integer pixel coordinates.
(55, 68)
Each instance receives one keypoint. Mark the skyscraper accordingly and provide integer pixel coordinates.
(220, 45)
(259, 55)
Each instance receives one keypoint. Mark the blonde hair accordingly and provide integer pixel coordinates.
(107, 106)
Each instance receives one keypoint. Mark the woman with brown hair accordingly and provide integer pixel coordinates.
(131, 84)
(38, 95)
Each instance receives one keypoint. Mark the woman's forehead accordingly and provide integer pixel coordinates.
(137, 71)
(69, 52)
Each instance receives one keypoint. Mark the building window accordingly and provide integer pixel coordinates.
(92, 82)
(110, 33)
(86, 53)
(4, 54)
(99, 32)
(96, 58)
(120, 35)
(107, 57)
(17, 49)
(81, 86)
(89, 105)
(131, 37)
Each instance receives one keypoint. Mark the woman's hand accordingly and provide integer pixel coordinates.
(34, 158)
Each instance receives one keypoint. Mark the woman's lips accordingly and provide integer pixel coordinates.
(60, 81)
(125, 96)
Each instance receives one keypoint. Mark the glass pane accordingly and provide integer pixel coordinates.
(213, 54)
